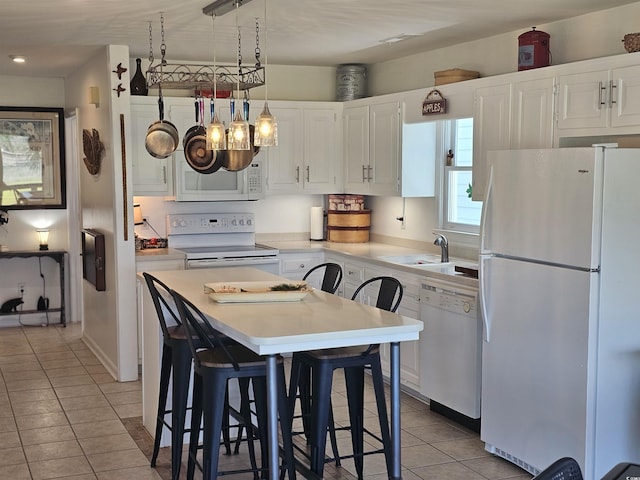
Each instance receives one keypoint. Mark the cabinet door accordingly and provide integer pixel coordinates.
(384, 148)
(533, 114)
(583, 100)
(321, 156)
(150, 176)
(183, 117)
(491, 129)
(356, 149)
(625, 96)
(339, 260)
(285, 160)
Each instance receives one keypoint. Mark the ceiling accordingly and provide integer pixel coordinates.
(57, 36)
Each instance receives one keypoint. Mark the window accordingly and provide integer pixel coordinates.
(459, 212)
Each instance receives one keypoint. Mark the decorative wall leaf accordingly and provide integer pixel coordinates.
(93, 149)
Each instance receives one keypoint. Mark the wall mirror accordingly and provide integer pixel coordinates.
(32, 170)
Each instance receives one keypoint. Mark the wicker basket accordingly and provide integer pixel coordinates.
(632, 42)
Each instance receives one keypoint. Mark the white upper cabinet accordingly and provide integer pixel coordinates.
(150, 175)
(307, 157)
(491, 129)
(603, 101)
(356, 148)
(384, 149)
(625, 110)
(584, 100)
(372, 148)
(532, 125)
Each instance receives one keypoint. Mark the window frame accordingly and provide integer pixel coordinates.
(446, 136)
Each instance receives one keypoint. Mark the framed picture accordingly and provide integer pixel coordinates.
(32, 169)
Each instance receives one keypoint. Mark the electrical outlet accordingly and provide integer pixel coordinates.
(21, 287)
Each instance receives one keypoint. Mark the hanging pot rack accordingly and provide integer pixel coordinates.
(199, 76)
(189, 76)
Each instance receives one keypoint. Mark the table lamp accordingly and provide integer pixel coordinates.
(43, 238)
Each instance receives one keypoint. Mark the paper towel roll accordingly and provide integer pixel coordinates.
(317, 223)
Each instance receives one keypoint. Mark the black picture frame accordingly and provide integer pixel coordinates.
(32, 160)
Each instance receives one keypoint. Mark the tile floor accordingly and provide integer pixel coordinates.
(63, 416)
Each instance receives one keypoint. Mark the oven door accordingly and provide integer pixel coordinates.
(247, 184)
(270, 264)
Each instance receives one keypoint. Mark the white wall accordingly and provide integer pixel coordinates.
(109, 316)
(594, 35)
(287, 214)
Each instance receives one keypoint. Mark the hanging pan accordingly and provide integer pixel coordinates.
(197, 129)
(162, 136)
(195, 148)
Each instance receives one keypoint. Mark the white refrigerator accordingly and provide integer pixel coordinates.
(560, 296)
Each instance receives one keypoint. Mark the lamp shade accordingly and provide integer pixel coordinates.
(137, 214)
(266, 131)
(216, 136)
(43, 238)
(239, 136)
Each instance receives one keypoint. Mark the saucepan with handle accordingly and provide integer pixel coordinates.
(162, 136)
(195, 149)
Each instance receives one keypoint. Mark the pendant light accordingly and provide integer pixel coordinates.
(266, 130)
(216, 135)
(238, 138)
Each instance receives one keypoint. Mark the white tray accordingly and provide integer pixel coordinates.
(250, 292)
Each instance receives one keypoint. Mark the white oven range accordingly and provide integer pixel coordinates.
(220, 240)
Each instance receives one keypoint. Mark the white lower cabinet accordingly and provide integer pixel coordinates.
(295, 265)
(328, 257)
(409, 351)
(356, 272)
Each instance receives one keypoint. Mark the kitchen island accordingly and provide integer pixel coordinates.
(320, 320)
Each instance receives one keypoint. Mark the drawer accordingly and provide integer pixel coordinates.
(353, 273)
(295, 266)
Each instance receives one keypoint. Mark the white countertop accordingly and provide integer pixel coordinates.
(369, 251)
(320, 320)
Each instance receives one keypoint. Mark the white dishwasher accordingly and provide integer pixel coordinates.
(451, 350)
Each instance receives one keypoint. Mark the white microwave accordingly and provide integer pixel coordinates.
(247, 184)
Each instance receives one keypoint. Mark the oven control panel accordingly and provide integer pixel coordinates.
(198, 223)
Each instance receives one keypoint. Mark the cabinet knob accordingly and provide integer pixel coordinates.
(302, 265)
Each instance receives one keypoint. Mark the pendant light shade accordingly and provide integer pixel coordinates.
(239, 138)
(266, 133)
(216, 135)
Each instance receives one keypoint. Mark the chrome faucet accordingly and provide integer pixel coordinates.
(442, 242)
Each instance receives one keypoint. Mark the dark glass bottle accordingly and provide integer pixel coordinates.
(138, 82)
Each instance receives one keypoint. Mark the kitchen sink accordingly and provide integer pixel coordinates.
(425, 260)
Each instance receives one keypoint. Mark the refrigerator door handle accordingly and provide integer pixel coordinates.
(486, 321)
(485, 210)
